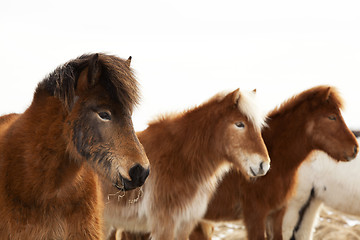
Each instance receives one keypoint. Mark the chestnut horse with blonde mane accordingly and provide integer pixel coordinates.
(309, 121)
(77, 127)
(189, 153)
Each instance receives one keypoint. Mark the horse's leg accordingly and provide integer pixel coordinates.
(305, 229)
(184, 235)
(274, 223)
(291, 217)
(109, 232)
(86, 233)
(163, 235)
(203, 231)
(269, 227)
(162, 230)
(185, 229)
(134, 236)
(86, 226)
(254, 219)
(112, 235)
(143, 236)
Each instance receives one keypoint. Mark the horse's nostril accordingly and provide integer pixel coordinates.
(262, 166)
(355, 150)
(138, 173)
(135, 171)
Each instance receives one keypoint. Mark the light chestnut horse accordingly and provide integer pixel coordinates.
(309, 121)
(321, 181)
(189, 152)
(77, 126)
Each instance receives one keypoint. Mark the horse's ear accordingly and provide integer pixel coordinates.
(233, 97)
(94, 70)
(128, 62)
(89, 76)
(328, 92)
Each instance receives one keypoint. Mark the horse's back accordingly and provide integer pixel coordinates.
(6, 121)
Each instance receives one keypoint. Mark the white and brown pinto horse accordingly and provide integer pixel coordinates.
(321, 180)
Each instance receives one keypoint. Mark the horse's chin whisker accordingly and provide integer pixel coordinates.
(120, 187)
(140, 193)
(121, 193)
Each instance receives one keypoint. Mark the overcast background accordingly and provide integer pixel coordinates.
(186, 51)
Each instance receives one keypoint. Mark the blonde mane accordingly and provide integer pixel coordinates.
(249, 106)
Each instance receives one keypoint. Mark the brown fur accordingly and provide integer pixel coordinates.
(50, 153)
(133, 236)
(187, 153)
(296, 128)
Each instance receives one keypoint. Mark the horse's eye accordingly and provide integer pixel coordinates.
(332, 117)
(105, 116)
(240, 125)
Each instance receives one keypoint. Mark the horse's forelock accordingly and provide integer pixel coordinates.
(122, 79)
(248, 105)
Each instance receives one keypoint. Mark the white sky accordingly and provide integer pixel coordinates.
(186, 51)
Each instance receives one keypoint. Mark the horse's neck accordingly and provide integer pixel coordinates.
(36, 150)
(189, 152)
(287, 144)
(5, 123)
(200, 149)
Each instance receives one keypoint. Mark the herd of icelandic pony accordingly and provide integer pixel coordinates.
(72, 166)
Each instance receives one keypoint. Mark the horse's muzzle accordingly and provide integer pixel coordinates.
(349, 158)
(138, 175)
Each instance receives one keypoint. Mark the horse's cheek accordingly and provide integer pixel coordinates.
(81, 140)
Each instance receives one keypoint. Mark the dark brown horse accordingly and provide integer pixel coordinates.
(189, 152)
(77, 126)
(311, 120)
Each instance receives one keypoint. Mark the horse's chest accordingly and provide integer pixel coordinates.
(39, 227)
(196, 207)
(128, 217)
(278, 196)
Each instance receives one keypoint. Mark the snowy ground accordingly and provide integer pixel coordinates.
(332, 225)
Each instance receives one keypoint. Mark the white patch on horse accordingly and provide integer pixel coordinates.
(196, 208)
(333, 187)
